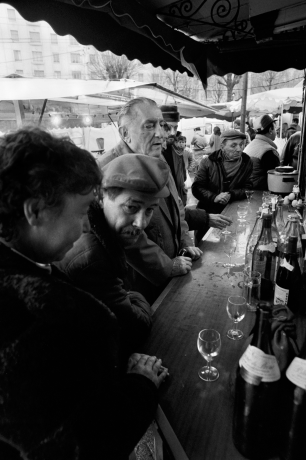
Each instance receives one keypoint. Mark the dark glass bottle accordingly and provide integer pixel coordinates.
(289, 278)
(255, 425)
(293, 438)
(264, 259)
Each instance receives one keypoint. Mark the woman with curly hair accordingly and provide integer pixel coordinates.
(63, 395)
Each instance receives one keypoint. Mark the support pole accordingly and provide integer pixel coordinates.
(302, 148)
(19, 112)
(244, 102)
(42, 112)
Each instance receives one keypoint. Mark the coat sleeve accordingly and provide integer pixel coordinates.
(200, 186)
(245, 183)
(96, 275)
(148, 259)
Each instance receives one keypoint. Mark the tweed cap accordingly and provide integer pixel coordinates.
(170, 113)
(262, 122)
(138, 172)
(232, 134)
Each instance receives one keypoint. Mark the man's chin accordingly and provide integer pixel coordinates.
(129, 241)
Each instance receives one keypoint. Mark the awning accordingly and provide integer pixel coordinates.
(205, 36)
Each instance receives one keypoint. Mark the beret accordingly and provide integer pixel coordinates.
(232, 134)
(138, 172)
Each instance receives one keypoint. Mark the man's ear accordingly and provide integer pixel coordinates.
(124, 133)
(33, 211)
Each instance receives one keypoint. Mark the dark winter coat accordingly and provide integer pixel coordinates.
(210, 181)
(61, 394)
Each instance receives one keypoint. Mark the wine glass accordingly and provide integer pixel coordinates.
(236, 310)
(229, 244)
(242, 211)
(209, 345)
(249, 194)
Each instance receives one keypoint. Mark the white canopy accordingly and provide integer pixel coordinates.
(29, 89)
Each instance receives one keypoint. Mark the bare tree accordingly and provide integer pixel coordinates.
(215, 91)
(180, 83)
(108, 66)
(229, 81)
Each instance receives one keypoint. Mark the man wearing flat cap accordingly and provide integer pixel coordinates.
(155, 256)
(223, 176)
(263, 151)
(131, 188)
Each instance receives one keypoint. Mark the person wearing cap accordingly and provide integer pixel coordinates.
(131, 188)
(63, 394)
(155, 257)
(198, 142)
(263, 151)
(223, 176)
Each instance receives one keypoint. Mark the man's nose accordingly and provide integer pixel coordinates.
(159, 131)
(140, 220)
(86, 225)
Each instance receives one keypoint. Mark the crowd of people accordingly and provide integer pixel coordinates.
(86, 248)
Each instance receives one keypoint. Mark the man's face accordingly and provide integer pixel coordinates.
(273, 132)
(233, 148)
(144, 132)
(173, 127)
(129, 214)
(57, 230)
(181, 144)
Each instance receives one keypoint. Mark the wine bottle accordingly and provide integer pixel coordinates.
(251, 243)
(293, 439)
(264, 259)
(289, 278)
(292, 229)
(257, 394)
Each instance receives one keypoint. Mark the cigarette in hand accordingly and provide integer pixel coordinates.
(162, 368)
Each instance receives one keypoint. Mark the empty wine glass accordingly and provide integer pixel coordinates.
(242, 211)
(229, 245)
(209, 345)
(249, 194)
(236, 310)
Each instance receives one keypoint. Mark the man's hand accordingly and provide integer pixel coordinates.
(181, 266)
(222, 198)
(149, 366)
(193, 252)
(219, 221)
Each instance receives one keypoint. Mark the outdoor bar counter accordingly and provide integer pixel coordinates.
(195, 416)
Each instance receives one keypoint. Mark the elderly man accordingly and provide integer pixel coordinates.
(155, 254)
(224, 175)
(131, 189)
(263, 151)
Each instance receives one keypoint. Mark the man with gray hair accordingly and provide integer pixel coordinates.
(155, 256)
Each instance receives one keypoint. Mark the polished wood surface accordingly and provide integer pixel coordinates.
(199, 412)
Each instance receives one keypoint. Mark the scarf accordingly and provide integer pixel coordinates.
(231, 166)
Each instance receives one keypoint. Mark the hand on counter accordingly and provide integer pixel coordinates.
(219, 221)
(181, 266)
(222, 198)
(149, 366)
(193, 252)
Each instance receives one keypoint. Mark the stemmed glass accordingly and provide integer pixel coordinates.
(229, 244)
(209, 345)
(242, 211)
(236, 310)
(249, 194)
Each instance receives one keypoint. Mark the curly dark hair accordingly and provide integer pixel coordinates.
(34, 164)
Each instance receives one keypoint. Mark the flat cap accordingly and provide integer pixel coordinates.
(262, 122)
(137, 172)
(232, 134)
(170, 113)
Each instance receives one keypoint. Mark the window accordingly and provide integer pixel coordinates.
(14, 35)
(57, 74)
(77, 75)
(37, 56)
(75, 58)
(72, 40)
(56, 58)
(34, 37)
(11, 14)
(93, 75)
(92, 58)
(17, 55)
(53, 38)
(20, 72)
(39, 73)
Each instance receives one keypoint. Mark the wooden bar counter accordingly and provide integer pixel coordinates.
(199, 412)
